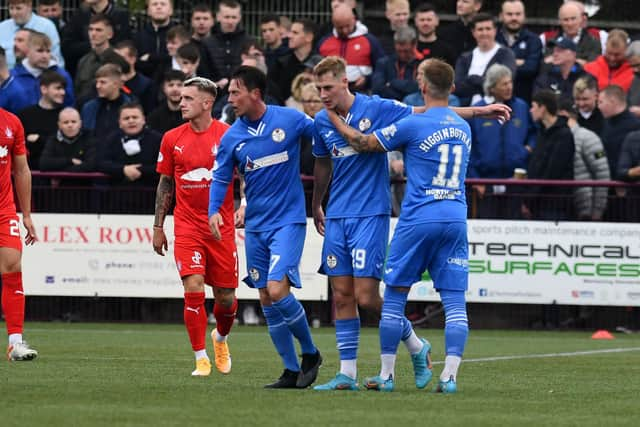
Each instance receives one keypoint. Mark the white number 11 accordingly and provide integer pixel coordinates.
(454, 180)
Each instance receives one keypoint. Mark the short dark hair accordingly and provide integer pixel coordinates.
(111, 57)
(173, 75)
(425, 7)
(548, 99)
(101, 17)
(189, 51)
(178, 31)
(201, 7)
(50, 77)
(566, 104)
(233, 4)
(482, 17)
(131, 104)
(271, 17)
(308, 26)
(129, 45)
(48, 2)
(616, 93)
(251, 77)
(247, 45)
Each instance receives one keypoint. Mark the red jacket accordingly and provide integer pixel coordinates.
(621, 76)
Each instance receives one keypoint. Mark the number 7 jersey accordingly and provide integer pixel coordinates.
(436, 147)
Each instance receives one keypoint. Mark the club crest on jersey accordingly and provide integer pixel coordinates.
(160, 157)
(3, 151)
(332, 261)
(214, 150)
(364, 124)
(278, 135)
(8, 133)
(254, 274)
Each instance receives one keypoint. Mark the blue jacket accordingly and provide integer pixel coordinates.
(11, 98)
(30, 85)
(497, 150)
(529, 48)
(92, 107)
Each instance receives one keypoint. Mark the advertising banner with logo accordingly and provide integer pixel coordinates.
(112, 256)
(575, 263)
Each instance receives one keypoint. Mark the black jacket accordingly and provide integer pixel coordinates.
(285, 69)
(162, 119)
(528, 47)
(469, 85)
(75, 34)
(614, 132)
(550, 77)
(595, 122)
(552, 157)
(152, 41)
(223, 51)
(458, 36)
(113, 158)
(59, 151)
(629, 157)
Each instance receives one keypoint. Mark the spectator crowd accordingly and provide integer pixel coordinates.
(95, 94)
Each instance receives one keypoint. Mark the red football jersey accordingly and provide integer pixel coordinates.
(11, 144)
(188, 156)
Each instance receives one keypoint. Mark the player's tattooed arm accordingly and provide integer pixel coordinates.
(359, 141)
(164, 197)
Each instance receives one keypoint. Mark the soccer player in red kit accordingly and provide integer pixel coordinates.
(185, 164)
(13, 157)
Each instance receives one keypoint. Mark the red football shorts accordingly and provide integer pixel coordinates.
(10, 232)
(216, 260)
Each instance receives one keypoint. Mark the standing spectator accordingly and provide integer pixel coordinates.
(151, 40)
(563, 71)
(40, 120)
(458, 34)
(552, 158)
(224, 45)
(395, 76)
(618, 123)
(10, 92)
(177, 36)
(168, 114)
(14, 164)
(526, 46)
(38, 60)
(129, 155)
(590, 163)
(429, 44)
(202, 22)
(633, 56)
(52, 9)
(70, 149)
(188, 57)
(613, 68)
(100, 35)
(275, 45)
(397, 13)
(498, 149)
(141, 86)
(585, 97)
(628, 168)
(22, 16)
(287, 67)
(21, 44)
(572, 16)
(350, 40)
(75, 35)
(100, 114)
(472, 65)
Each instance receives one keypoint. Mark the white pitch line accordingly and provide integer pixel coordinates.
(545, 355)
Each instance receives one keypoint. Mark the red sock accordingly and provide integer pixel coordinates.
(195, 319)
(13, 302)
(225, 317)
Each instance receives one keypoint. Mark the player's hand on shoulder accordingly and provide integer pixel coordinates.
(215, 222)
(31, 236)
(318, 220)
(160, 243)
(239, 217)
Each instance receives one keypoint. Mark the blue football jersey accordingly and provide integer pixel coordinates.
(267, 153)
(436, 154)
(360, 182)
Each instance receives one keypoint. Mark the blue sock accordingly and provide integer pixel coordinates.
(347, 337)
(407, 328)
(295, 317)
(456, 326)
(282, 338)
(392, 320)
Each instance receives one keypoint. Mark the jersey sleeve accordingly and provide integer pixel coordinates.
(19, 147)
(393, 110)
(396, 135)
(306, 126)
(164, 165)
(319, 148)
(222, 173)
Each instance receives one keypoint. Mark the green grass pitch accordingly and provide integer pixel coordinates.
(138, 375)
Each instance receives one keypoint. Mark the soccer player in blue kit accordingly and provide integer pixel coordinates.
(264, 144)
(353, 254)
(432, 231)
